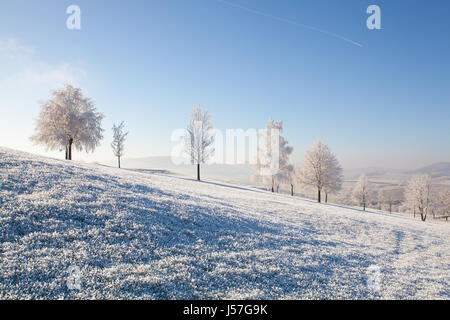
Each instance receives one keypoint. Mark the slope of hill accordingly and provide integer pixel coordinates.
(152, 236)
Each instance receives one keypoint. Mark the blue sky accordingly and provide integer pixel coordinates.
(385, 104)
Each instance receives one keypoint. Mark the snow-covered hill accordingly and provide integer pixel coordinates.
(149, 235)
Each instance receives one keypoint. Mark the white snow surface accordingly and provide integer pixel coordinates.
(147, 235)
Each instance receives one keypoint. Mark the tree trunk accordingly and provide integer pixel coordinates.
(318, 195)
(292, 190)
(326, 197)
(70, 150)
(118, 160)
(67, 154)
(198, 171)
(364, 206)
(390, 207)
(273, 182)
(423, 215)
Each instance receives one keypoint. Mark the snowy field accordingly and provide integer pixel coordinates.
(144, 235)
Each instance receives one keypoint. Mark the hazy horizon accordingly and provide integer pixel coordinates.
(90, 158)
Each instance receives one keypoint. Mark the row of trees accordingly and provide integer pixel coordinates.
(362, 195)
(70, 120)
(419, 197)
(320, 168)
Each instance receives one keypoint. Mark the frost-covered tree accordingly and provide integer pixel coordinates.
(444, 202)
(68, 120)
(118, 143)
(199, 138)
(284, 176)
(385, 197)
(418, 195)
(267, 157)
(321, 170)
(292, 178)
(380, 199)
(361, 191)
(333, 178)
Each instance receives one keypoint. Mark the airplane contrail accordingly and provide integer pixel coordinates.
(290, 22)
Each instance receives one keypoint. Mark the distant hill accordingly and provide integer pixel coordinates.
(436, 170)
(354, 173)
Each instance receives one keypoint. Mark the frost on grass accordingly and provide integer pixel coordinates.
(147, 236)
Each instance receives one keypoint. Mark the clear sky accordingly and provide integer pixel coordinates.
(384, 103)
